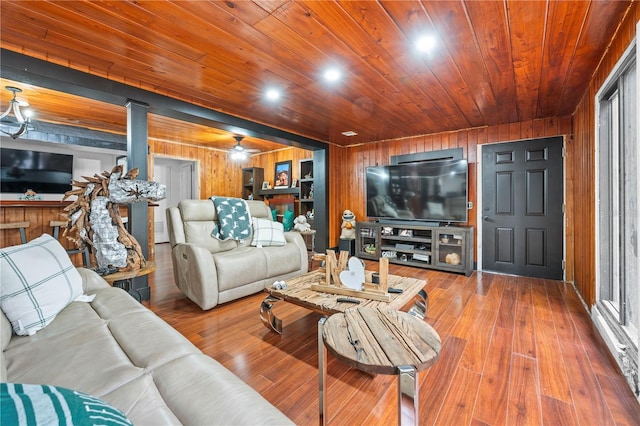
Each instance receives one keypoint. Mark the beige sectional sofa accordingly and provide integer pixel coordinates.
(210, 271)
(115, 349)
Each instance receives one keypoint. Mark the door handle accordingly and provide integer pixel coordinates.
(487, 219)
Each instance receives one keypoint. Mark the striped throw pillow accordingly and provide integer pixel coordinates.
(37, 281)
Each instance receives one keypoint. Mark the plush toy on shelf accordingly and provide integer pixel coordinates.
(301, 224)
(348, 225)
(453, 259)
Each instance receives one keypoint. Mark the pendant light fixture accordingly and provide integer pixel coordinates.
(19, 118)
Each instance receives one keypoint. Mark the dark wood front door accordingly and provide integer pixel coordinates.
(522, 199)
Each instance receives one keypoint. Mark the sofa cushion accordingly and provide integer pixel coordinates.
(241, 266)
(33, 296)
(198, 220)
(267, 233)
(258, 208)
(48, 405)
(199, 233)
(197, 211)
(82, 359)
(282, 260)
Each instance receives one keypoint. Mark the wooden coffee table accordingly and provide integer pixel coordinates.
(299, 293)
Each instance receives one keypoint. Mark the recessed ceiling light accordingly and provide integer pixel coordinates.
(349, 133)
(332, 75)
(425, 43)
(272, 94)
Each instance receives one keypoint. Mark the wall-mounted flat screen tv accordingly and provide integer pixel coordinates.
(44, 172)
(428, 191)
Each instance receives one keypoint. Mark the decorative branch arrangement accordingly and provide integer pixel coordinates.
(338, 274)
(94, 219)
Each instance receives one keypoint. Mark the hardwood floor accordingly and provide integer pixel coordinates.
(516, 351)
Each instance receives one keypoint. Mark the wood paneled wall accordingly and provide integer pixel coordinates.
(268, 160)
(582, 150)
(347, 188)
(218, 174)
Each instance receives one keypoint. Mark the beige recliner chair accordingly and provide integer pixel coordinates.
(210, 271)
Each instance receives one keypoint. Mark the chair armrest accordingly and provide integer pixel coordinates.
(175, 226)
(195, 274)
(91, 280)
(295, 238)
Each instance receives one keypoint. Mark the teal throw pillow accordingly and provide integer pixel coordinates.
(52, 405)
(274, 214)
(234, 220)
(287, 220)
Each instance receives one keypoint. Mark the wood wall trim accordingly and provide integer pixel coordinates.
(35, 203)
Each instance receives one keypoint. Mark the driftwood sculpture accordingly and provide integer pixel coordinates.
(94, 219)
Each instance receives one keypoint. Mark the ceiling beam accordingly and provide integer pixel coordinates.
(72, 135)
(26, 69)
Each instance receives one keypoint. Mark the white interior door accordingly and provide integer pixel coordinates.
(180, 178)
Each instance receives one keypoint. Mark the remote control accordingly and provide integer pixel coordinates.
(394, 290)
(347, 300)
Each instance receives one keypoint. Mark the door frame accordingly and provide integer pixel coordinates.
(479, 176)
(195, 179)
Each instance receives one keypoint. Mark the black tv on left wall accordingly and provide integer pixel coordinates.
(43, 172)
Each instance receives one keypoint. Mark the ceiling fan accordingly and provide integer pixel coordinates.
(240, 152)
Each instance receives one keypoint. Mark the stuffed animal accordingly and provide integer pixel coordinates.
(452, 259)
(301, 224)
(348, 226)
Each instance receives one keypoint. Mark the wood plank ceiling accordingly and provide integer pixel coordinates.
(493, 62)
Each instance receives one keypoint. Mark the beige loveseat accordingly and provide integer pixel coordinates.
(210, 271)
(115, 349)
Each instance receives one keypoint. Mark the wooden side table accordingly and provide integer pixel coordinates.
(379, 341)
(123, 279)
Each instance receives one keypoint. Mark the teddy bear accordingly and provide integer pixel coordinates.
(348, 226)
(301, 224)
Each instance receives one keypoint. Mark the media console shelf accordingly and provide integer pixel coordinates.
(447, 248)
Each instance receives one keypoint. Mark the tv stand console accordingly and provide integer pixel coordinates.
(446, 248)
